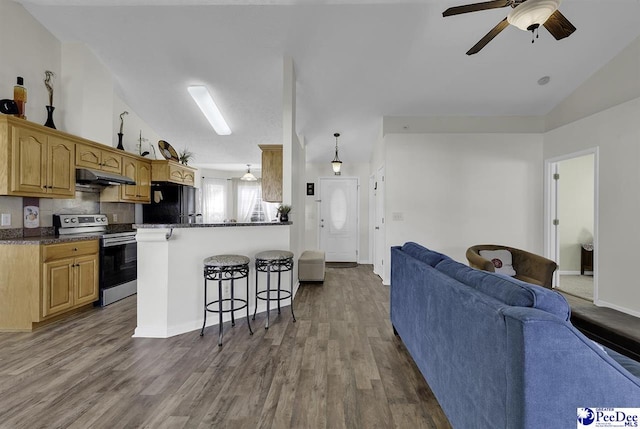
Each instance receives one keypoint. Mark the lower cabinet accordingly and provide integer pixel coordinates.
(45, 281)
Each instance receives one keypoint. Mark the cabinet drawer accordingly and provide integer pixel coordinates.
(67, 250)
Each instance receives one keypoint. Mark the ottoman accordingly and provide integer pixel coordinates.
(311, 266)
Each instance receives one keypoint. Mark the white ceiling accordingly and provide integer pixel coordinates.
(356, 61)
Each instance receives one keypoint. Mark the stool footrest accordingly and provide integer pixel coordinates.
(217, 301)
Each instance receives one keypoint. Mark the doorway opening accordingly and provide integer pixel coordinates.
(571, 222)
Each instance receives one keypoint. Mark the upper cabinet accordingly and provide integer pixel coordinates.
(138, 170)
(90, 156)
(171, 171)
(271, 173)
(35, 161)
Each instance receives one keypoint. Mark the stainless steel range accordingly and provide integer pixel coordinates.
(118, 253)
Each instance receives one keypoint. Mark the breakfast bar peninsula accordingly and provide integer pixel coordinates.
(170, 270)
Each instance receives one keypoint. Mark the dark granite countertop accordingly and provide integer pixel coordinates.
(206, 225)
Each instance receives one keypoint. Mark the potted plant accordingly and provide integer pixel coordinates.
(283, 212)
(185, 156)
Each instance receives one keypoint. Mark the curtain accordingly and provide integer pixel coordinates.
(213, 200)
(270, 211)
(248, 197)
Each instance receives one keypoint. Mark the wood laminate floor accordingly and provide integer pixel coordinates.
(338, 366)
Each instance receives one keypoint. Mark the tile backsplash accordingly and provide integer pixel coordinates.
(84, 202)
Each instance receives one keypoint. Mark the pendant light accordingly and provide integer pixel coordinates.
(248, 176)
(336, 163)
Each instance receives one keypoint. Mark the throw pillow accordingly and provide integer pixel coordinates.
(501, 259)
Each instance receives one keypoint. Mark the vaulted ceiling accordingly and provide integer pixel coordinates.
(356, 61)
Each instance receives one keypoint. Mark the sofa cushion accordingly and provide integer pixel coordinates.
(506, 289)
(501, 259)
(423, 254)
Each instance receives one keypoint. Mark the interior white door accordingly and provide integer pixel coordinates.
(378, 258)
(339, 219)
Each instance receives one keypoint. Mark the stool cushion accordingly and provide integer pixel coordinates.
(274, 255)
(311, 266)
(226, 260)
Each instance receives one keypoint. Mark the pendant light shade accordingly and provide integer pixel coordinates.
(531, 14)
(336, 163)
(248, 176)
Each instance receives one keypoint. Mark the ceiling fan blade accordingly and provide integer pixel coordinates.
(457, 10)
(490, 35)
(559, 26)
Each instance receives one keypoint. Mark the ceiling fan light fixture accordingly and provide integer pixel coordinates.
(248, 176)
(531, 14)
(203, 99)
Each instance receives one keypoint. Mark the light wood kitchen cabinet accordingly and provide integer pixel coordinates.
(35, 161)
(96, 158)
(171, 171)
(138, 170)
(271, 173)
(70, 274)
(41, 282)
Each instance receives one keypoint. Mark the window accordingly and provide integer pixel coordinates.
(251, 208)
(214, 200)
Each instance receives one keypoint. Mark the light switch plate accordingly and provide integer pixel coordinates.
(6, 219)
(398, 217)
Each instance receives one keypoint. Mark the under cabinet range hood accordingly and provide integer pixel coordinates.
(102, 178)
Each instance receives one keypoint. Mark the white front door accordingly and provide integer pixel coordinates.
(339, 218)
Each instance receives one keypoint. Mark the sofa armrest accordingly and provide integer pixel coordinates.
(550, 355)
(478, 262)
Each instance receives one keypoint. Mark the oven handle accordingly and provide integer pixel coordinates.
(112, 243)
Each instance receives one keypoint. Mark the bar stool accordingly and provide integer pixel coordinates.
(274, 261)
(221, 268)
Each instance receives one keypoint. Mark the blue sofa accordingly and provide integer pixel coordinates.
(498, 352)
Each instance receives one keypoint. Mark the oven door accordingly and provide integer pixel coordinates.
(118, 270)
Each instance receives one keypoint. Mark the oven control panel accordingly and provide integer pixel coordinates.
(63, 221)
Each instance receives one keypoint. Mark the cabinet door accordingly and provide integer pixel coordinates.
(176, 174)
(189, 178)
(86, 280)
(29, 151)
(88, 156)
(271, 173)
(60, 167)
(57, 290)
(129, 169)
(111, 162)
(144, 182)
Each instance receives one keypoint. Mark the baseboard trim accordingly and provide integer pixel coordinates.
(621, 309)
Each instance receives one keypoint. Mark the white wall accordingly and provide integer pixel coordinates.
(83, 94)
(293, 158)
(313, 173)
(451, 191)
(27, 49)
(575, 209)
(615, 83)
(616, 131)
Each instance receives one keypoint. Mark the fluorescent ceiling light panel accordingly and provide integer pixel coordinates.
(205, 102)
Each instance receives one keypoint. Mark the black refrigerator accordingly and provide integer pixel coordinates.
(170, 203)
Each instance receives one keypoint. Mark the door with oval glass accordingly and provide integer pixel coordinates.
(339, 218)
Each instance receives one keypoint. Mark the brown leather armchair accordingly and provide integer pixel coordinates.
(529, 267)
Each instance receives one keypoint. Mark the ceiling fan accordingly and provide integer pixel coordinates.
(527, 15)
